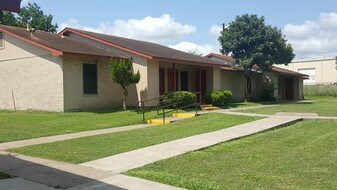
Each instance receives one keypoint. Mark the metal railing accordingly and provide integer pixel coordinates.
(164, 107)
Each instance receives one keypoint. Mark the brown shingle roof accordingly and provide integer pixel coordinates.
(287, 72)
(56, 43)
(145, 49)
(224, 57)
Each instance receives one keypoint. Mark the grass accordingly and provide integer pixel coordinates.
(31, 124)
(302, 156)
(90, 148)
(320, 90)
(323, 106)
(4, 176)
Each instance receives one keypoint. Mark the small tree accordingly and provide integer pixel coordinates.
(251, 42)
(121, 73)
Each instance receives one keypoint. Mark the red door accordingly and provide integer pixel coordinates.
(171, 80)
(200, 82)
(161, 81)
(289, 86)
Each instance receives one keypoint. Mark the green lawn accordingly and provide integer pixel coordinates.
(301, 156)
(323, 106)
(90, 148)
(31, 124)
(4, 176)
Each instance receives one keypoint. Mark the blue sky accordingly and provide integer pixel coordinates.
(310, 26)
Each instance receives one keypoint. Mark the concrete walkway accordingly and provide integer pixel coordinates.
(105, 173)
(19, 183)
(17, 144)
(36, 173)
(125, 161)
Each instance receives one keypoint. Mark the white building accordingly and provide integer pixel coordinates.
(321, 70)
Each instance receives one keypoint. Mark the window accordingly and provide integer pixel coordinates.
(1, 40)
(89, 78)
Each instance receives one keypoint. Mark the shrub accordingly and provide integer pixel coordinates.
(267, 90)
(183, 98)
(217, 98)
(228, 96)
(207, 98)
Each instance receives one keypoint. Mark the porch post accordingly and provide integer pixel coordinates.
(174, 76)
(199, 83)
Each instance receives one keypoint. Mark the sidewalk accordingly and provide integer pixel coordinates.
(125, 161)
(17, 144)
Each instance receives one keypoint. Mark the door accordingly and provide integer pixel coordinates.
(200, 82)
(161, 81)
(184, 80)
(172, 81)
(289, 87)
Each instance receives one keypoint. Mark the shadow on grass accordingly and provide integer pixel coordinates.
(44, 174)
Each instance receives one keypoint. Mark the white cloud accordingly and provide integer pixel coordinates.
(314, 38)
(192, 47)
(215, 30)
(161, 29)
(24, 2)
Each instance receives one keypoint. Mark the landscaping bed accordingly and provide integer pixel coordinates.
(301, 156)
(94, 147)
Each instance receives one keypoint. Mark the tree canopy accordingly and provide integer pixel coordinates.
(251, 42)
(30, 15)
(121, 73)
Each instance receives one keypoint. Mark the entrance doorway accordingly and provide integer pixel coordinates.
(289, 87)
(161, 81)
(184, 80)
(200, 82)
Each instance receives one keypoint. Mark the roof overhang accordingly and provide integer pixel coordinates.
(69, 30)
(54, 52)
(188, 62)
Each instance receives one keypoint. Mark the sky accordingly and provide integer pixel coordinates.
(310, 26)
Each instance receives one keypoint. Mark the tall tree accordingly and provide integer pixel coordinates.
(251, 42)
(30, 15)
(8, 18)
(121, 73)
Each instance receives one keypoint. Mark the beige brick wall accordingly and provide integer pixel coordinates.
(109, 94)
(34, 75)
(235, 82)
(136, 91)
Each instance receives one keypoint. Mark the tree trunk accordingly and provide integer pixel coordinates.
(125, 95)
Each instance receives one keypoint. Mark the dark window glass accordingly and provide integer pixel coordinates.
(184, 80)
(89, 78)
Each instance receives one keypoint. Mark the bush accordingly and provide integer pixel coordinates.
(267, 91)
(228, 96)
(183, 98)
(207, 98)
(217, 98)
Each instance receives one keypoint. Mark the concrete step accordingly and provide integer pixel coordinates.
(206, 105)
(210, 108)
(184, 115)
